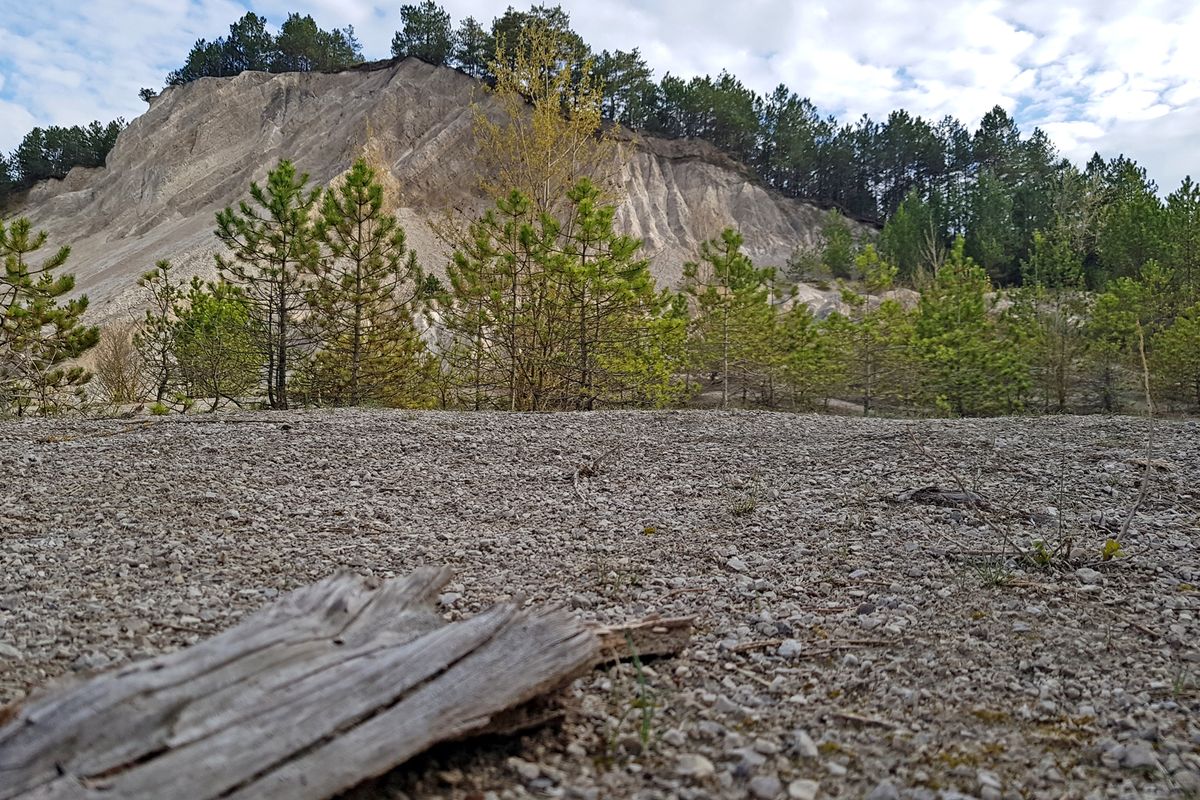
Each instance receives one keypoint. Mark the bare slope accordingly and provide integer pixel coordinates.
(199, 146)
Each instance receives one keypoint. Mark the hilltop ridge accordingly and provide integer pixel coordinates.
(199, 145)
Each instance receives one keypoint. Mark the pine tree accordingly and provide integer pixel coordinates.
(734, 314)
(155, 336)
(8, 181)
(1051, 304)
(837, 253)
(625, 80)
(549, 312)
(40, 333)
(512, 41)
(1110, 331)
(906, 235)
(1132, 224)
(302, 46)
(1182, 226)
(809, 368)
(993, 239)
(426, 33)
(249, 46)
(1176, 358)
(473, 48)
(214, 343)
(613, 305)
(971, 366)
(272, 247)
(499, 289)
(872, 341)
(1147, 302)
(363, 295)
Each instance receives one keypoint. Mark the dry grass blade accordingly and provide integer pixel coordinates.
(1148, 473)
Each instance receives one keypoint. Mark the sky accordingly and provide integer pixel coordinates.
(1114, 76)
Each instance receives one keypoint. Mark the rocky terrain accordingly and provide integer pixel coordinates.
(199, 146)
(850, 643)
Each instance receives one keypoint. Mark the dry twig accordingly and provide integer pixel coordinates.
(973, 504)
(1149, 471)
(590, 469)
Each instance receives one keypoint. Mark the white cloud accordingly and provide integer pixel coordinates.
(17, 117)
(1165, 145)
(1089, 71)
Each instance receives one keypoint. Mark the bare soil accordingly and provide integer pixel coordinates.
(848, 643)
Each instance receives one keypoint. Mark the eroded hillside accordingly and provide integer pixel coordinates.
(199, 145)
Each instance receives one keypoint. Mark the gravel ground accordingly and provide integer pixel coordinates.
(847, 644)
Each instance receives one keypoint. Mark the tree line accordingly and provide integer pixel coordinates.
(299, 46)
(320, 302)
(546, 306)
(926, 182)
(52, 152)
(930, 180)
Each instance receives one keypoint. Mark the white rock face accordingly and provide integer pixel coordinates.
(198, 147)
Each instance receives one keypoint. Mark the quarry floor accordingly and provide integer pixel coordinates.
(849, 642)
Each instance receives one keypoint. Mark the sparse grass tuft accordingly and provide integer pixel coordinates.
(746, 499)
(742, 506)
(645, 703)
(994, 575)
(641, 704)
(1112, 549)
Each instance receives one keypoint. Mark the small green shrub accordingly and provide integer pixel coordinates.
(1112, 549)
(1041, 555)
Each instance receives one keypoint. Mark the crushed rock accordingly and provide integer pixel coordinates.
(847, 644)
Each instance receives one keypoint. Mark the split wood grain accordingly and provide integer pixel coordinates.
(336, 683)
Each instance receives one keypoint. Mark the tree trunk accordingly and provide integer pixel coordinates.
(584, 377)
(867, 382)
(165, 376)
(271, 354)
(281, 400)
(725, 359)
(512, 349)
(356, 357)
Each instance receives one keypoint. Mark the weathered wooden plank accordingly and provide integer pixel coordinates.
(531, 655)
(124, 716)
(305, 714)
(334, 684)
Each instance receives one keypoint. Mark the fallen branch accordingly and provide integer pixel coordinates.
(882, 723)
(590, 469)
(828, 647)
(759, 644)
(649, 638)
(937, 496)
(334, 684)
